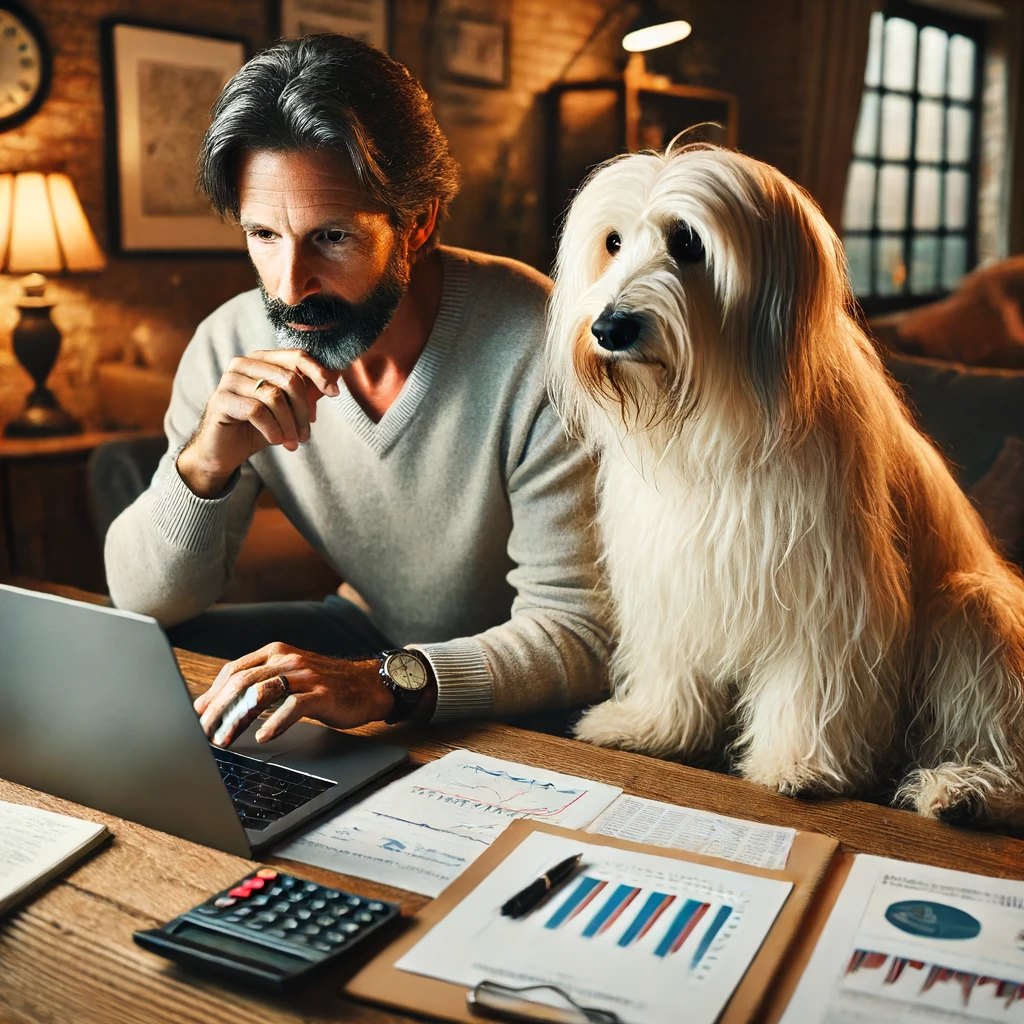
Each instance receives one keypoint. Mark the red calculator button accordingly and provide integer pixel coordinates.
(254, 883)
(239, 890)
(268, 873)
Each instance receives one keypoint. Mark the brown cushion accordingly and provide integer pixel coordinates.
(999, 497)
(981, 324)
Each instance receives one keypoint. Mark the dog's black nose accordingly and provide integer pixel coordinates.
(617, 330)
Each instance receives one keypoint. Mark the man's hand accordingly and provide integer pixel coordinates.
(337, 692)
(263, 399)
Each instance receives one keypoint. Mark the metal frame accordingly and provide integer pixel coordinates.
(924, 17)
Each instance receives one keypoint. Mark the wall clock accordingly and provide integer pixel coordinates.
(25, 67)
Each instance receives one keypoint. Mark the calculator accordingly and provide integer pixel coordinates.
(270, 929)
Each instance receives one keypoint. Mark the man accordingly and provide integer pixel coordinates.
(390, 394)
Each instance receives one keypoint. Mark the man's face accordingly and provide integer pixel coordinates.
(332, 269)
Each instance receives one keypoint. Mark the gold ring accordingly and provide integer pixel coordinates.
(259, 384)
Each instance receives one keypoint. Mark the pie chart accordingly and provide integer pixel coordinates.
(932, 920)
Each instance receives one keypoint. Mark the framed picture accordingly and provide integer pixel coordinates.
(365, 19)
(474, 51)
(160, 84)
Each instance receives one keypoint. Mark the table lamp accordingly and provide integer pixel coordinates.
(43, 230)
(652, 29)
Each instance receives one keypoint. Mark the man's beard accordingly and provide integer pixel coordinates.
(354, 327)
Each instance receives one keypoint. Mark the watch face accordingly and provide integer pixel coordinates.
(406, 670)
(22, 65)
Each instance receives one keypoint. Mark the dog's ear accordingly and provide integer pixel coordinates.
(801, 287)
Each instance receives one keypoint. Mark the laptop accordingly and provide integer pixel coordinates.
(94, 709)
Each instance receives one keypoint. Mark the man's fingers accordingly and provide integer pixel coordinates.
(295, 359)
(284, 717)
(247, 708)
(256, 378)
(228, 669)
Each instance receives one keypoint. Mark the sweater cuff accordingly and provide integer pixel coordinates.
(185, 520)
(464, 685)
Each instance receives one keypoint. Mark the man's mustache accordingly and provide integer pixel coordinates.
(315, 311)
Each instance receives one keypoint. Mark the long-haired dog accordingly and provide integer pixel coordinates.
(789, 559)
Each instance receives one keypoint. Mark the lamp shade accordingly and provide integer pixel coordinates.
(43, 227)
(652, 30)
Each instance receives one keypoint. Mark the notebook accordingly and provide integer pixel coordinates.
(37, 845)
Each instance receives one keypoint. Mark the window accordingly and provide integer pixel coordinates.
(910, 214)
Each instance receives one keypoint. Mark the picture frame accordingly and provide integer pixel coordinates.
(474, 51)
(369, 20)
(159, 85)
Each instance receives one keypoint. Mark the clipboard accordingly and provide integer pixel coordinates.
(381, 982)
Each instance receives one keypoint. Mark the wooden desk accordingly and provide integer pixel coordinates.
(68, 955)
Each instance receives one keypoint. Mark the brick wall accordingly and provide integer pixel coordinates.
(747, 46)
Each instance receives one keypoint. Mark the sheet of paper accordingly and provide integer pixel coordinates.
(636, 933)
(425, 829)
(910, 943)
(33, 842)
(683, 828)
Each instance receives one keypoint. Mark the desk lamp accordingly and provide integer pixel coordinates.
(43, 230)
(652, 29)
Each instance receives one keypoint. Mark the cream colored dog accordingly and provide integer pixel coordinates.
(786, 552)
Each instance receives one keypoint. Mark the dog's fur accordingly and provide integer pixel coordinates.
(787, 555)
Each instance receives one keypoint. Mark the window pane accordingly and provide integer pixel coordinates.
(929, 131)
(858, 255)
(865, 142)
(896, 111)
(872, 72)
(859, 206)
(956, 199)
(954, 260)
(924, 265)
(890, 271)
(961, 67)
(892, 197)
(958, 135)
(926, 198)
(931, 68)
(900, 47)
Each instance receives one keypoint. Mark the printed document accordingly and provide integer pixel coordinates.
(425, 829)
(651, 938)
(910, 943)
(683, 828)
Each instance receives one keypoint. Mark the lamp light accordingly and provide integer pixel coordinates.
(652, 29)
(43, 230)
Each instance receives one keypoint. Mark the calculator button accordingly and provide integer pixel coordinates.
(377, 908)
(225, 901)
(239, 891)
(268, 873)
(278, 933)
(276, 891)
(256, 926)
(260, 901)
(311, 887)
(317, 904)
(266, 917)
(335, 937)
(310, 929)
(333, 894)
(354, 901)
(254, 883)
(325, 921)
(243, 912)
(325, 946)
(296, 897)
(208, 910)
(281, 907)
(364, 918)
(290, 924)
(231, 918)
(303, 914)
(342, 911)
(303, 939)
(348, 927)
(287, 882)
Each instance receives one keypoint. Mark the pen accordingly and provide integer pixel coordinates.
(523, 902)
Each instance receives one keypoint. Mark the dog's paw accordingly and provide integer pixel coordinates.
(796, 780)
(606, 725)
(955, 794)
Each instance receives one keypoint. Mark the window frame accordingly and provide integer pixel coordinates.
(952, 24)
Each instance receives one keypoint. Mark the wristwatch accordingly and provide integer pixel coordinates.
(405, 674)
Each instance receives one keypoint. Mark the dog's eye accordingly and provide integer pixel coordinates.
(613, 243)
(684, 245)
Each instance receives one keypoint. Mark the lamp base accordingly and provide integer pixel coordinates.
(42, 417)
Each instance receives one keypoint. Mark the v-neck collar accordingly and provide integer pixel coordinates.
(381, 436)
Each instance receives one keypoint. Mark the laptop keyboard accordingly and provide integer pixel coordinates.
(263, 793)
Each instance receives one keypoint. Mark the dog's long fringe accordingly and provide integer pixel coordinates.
(800, 543)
